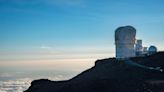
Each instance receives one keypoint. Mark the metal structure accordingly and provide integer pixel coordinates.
(139, 48)
(125, 42)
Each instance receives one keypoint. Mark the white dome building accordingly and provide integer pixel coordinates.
(125, 41)
(152, 50)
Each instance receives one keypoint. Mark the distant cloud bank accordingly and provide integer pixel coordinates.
(19, 85)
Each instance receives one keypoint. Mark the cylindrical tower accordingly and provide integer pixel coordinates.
(125, 41)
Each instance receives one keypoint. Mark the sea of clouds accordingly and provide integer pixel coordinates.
(22, 84)
(17, 85)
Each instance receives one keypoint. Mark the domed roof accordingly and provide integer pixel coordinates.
(152, 49)
(126, 27)
(125, 34)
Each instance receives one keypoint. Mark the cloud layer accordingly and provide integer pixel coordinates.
(19, 85)
(15, 85)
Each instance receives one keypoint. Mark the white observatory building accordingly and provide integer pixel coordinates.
(152, 50)
(139, 48)
(125, 42)
(128, 46)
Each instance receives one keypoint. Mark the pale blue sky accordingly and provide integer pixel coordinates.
(68, 29)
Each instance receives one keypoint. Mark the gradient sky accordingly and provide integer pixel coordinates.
(79, 30)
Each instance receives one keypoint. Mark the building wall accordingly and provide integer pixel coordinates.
(125, 42)
(125, 50)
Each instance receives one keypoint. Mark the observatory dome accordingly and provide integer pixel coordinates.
(152, 49)
(125, 35)
(124, 41)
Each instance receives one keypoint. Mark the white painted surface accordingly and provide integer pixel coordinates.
(125, 41)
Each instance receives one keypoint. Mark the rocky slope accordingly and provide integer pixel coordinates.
(111, 75)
